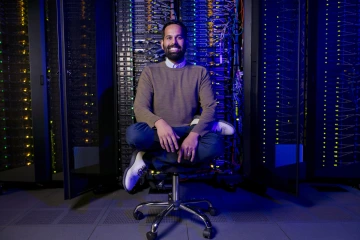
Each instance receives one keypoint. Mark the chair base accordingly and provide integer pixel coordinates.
(174, 204)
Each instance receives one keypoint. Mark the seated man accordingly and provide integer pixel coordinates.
(169, 96)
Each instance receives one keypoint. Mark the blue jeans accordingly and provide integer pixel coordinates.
(144, 138)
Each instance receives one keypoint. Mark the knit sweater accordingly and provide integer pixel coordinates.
(175, 95)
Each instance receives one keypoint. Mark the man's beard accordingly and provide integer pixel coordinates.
(174, 56)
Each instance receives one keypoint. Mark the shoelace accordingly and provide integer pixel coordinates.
(142, 170)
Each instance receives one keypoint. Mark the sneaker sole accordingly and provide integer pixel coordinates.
(228, 124)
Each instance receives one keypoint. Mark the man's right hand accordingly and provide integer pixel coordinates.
(167, 136)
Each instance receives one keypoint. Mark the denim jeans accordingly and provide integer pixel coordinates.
(140, 136)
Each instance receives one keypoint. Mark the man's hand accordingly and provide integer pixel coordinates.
(188, 147)
(167, 136)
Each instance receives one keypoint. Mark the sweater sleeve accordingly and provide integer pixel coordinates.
(208, 105)
(144, 99)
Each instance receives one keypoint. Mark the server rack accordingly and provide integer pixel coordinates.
(25, 152)
(17, 146)
(334, 43)
(214, 31)
(280, 88)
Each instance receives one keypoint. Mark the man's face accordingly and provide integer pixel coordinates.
(174, 44)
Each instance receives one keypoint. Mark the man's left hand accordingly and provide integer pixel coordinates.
(188, 147)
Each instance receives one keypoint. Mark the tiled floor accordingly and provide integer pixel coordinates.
(43, 214)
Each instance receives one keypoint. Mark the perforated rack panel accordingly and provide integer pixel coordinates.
(80, 60)
(16, 140)
(338, 88)
(281, 72)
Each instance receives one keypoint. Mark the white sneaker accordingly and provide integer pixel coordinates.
(221, 126)
(135, 171)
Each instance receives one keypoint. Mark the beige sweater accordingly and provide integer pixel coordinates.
(175, 95)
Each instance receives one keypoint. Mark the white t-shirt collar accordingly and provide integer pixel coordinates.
(172, 65)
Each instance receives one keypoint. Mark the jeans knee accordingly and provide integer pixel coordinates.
(139, 135)
(212, 146)
(131, 136)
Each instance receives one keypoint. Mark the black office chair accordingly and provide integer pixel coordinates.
(174, 203)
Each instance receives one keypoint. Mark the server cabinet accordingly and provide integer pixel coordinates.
(334, 84)
(25, 150)
(275, 92)
(87, 93)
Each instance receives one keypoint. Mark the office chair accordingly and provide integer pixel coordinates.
(174, 203)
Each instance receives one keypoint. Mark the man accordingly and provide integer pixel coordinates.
(169, 96)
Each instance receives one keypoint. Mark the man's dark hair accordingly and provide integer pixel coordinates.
(177, 22)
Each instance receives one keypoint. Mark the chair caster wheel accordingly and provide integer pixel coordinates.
(208, 233)
(138, 215)
(151, 235)
(212, 211)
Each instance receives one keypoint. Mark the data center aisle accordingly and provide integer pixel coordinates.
(43, 214)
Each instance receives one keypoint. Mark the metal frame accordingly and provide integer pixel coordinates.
(39, 95)
(251, 55)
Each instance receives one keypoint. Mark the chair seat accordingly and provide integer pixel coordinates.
(184, 169)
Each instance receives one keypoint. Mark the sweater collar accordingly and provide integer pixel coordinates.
(172, 65)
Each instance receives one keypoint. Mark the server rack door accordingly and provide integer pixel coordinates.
(281, 93)
(39, 92)
(335, 58)
(87, 93)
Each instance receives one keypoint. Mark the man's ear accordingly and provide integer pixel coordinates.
(162, 44)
